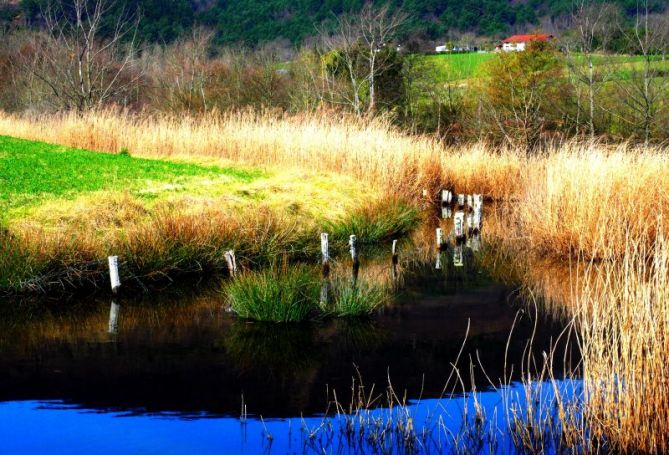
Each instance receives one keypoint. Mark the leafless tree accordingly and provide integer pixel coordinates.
(593, 23)
(359, 41)
(645, 91)
(81, 66)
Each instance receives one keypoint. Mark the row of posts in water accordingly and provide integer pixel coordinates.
(467, 220)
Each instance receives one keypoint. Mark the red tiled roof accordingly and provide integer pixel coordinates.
(526, 38)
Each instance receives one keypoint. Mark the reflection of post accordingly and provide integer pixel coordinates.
(325, 292)
(461, 200)
(470, 201)
(457, 256)
(438, 264)
(475, 243)
(459, 224)
(446, 213)
(114, 277)
(470, 222)
(440, 238)
(326, 254)
(113, 318)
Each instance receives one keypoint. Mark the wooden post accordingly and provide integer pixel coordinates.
(437, 266)
(113, 318)
(231, 261)
(461, 200)
(446, 213)
(353, 243)
(459, 224)
(478, 201)
(325, 253)
(446, 197)
(440, 238)
(470, 201)
(395, 260)
(113, 274)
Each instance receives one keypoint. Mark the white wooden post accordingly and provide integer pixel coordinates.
(470, 222)
(353, 243)
(478, 201)
(461, 200)
(113, 274)
(470, 201)
(446, 213)
(231, 261)
(325, 253)
(459, 224)
(440, 238)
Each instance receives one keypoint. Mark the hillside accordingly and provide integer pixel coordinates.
(256, 21)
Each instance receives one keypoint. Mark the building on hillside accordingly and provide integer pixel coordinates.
(440, 49)
(518, 43)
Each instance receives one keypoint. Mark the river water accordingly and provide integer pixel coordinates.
(174, 372)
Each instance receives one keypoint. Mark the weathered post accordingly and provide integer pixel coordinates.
(231, 261)
(478, 212)
(470, 201)
(325, 254)
(395, 261)
(459, 224)
(114, 276)
(353, 243)
(446, 213)
(113, 318)
(446, 197)
(461, 200)
(470, 222)
(437, 266)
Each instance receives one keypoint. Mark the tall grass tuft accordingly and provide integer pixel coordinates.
(382, 220)
(289, 295)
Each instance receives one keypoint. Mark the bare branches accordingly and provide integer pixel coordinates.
(360, 41)
(81, 64)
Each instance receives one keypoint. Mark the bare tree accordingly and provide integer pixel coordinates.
(359, 41)
(82, 66)
(593, 22)
(645, 91)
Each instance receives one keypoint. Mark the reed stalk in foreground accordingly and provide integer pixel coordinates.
(624, 330)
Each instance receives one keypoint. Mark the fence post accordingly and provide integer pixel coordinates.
(325, 254)
(231, 261)
(114, 276)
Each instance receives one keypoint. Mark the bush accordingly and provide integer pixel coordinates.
(357, 300)
(289, 295)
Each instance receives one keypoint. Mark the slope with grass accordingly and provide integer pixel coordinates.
(64, 210)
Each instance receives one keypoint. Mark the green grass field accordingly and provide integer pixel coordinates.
(34, 172)
(459, 67)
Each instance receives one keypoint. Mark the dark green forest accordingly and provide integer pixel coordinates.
(255, 21)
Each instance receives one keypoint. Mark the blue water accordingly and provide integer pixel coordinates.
(55, 427)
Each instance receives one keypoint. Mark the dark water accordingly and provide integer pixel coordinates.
(175, 371)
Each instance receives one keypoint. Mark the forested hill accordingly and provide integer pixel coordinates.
(254, 21)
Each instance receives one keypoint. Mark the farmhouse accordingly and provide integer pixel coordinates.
(517, 43)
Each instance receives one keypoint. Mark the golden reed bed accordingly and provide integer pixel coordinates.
(575, 198)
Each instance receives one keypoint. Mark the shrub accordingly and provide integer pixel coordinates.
(289, 295)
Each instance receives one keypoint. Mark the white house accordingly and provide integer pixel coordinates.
(518, 43)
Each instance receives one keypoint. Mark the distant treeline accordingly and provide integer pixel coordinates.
(256, 21)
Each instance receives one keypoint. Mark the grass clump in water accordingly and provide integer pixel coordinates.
(289, 295)
(357, 300)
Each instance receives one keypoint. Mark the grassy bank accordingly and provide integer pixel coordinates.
(65, 210)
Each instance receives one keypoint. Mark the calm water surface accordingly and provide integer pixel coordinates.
(170, 374)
